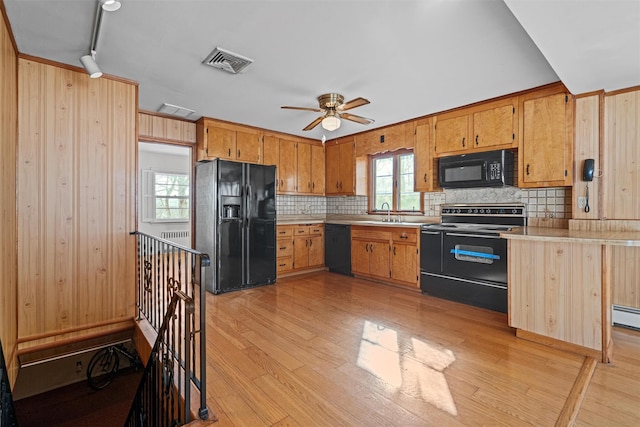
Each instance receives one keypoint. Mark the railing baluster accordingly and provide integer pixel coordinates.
(170, 278)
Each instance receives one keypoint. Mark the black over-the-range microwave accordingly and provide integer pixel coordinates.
(488, 169)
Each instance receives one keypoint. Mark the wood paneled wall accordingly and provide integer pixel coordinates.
(621, 156)
(157, 128)
(76, 200)
(587, 146)
(8, 143)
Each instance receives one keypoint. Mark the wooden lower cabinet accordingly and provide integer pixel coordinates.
(300, 247)
(389, 254)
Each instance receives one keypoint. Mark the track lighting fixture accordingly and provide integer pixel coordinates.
(89, 61)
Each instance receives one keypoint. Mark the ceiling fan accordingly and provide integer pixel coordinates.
(333, 107)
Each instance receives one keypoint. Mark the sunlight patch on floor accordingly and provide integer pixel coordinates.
(417, 371)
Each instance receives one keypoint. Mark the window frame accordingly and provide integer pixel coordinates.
(395, 155)
(149, 197)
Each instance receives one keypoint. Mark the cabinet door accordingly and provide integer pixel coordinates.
(347, 168)
(423, 160)
(317, 169)
(544, 140)
(452, 134)
(379, 259)
(316, 251)
(221, 143)
(360, 256)
(300, 252)
(271, 155)
(332, 162)
(404, 261)
(288, 166)
(248, 147)
(304, 168)
(494, 127)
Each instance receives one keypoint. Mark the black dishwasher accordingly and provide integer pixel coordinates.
(337, 248)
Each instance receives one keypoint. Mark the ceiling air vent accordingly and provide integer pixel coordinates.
(175, 110)
(227, 61)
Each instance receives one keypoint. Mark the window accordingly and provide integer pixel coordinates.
(165, 196)
(392, 183)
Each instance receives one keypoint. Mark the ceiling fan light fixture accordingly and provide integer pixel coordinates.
(331, 122)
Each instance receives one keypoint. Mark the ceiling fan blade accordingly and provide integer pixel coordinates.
(353, 104)
(317, 110)
(358, 119)
(314, 123)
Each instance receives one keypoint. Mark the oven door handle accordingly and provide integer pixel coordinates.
(477, 236)
(430, 232)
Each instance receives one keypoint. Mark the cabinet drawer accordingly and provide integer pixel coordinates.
(370, 233)
(283, 264)
(301, 231)
(285, 248)
(316, 229)
(404, 236)
(284, 231)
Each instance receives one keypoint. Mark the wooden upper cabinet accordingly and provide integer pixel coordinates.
(221, 143)
(487, 126)
(248, 147)
(340, 168)
(545, 154)
(388, 138)
(452, 134)
(494, 126)
(425, 173)
(317, 169)
(218, 140)
(288, 166)
(304, 168)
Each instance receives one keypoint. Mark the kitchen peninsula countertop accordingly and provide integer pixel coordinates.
(616, 238)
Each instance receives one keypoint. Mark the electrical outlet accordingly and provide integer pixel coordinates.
(582, 202)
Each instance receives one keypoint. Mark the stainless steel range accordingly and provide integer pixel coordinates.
(463, 257)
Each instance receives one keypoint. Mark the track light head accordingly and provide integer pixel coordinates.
(110, 5)
(89, 64)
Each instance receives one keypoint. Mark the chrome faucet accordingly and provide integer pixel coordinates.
(388, 211)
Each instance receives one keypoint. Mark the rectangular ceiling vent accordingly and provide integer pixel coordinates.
(227, 61)
(175, 110)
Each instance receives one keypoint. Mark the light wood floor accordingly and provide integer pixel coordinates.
(329, 350)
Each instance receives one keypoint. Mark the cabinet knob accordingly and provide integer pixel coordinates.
(337, 185)
(238, 153)
(527, 169)
(366, 247)
(310, 243)
(476, 139)
(463, 141)
(394, 251)
(425, 177)
(229, 152)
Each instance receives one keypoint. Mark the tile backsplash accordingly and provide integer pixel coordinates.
(541, 203)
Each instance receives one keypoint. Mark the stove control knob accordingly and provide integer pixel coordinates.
(475, 211)
(515, 211)
(469, 210)
(481, 211)
(459, 210)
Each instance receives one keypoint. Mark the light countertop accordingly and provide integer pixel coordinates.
(617, 238)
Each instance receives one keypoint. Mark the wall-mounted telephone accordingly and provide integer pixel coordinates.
(587, 176)
(587, 170)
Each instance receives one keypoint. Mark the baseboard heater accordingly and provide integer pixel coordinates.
(626, 316)
(174, 234)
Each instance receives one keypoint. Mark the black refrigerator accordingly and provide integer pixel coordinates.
(235, 223)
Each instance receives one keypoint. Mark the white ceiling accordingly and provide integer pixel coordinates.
(410, 58)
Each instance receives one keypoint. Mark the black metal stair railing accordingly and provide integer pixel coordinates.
(7, 412)
(168, 272)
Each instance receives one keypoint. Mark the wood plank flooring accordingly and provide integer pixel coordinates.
(326, 350)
